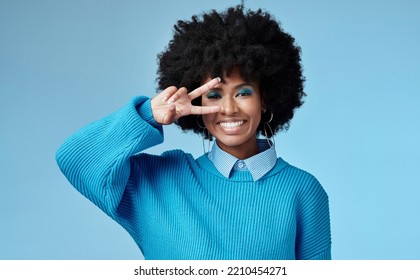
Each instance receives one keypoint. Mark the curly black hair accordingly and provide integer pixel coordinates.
(215, 42)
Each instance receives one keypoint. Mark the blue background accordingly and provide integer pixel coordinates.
(64, 64)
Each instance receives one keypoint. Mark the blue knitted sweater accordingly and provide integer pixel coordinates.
(178, 207)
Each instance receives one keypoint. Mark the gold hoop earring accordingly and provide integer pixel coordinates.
(205, 135)
(270, 139)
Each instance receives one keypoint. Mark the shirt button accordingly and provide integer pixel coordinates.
(241, 164)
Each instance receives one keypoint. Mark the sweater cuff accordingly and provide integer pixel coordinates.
(145, 111)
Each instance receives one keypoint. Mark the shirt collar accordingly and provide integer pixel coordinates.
(258, 165)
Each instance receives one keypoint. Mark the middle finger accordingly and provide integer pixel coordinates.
(204, 88)
(177, 95)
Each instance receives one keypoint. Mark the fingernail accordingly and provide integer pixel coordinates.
(218, 79)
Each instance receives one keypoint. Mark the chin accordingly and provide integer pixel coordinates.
(233, 141)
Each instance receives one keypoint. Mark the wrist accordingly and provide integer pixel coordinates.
(145, 110)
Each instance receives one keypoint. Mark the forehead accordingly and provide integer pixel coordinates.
(232, 75)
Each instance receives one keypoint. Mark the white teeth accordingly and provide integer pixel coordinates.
(231, 124)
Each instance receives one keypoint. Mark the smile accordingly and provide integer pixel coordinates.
(231, 124)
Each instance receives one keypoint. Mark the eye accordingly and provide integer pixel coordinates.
(245, 92)
(213, 95)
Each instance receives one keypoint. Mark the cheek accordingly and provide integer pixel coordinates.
(256, 120)
(257, 117)
(208, 119)
(254, 111)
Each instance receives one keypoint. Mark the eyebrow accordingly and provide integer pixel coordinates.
(237, 86)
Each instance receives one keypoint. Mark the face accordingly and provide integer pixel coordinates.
(235, 126)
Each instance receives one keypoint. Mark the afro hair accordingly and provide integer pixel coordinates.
(212, 44)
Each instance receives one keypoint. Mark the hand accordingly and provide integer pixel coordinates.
(173, 103)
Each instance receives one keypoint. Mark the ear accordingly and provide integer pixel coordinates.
(263, 107)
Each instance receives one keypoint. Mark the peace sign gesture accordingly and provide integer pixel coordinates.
(173, 103)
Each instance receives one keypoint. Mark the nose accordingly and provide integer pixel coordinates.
(229, 106)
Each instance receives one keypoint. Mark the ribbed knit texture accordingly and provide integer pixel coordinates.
(178, 207)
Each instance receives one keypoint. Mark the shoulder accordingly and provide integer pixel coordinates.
(302, 174)
(176, 156)
(167, 160)
(305, 182)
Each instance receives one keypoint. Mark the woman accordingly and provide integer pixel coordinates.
(231, 76)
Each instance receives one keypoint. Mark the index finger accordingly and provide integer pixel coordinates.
(204, 88)
(203, 110)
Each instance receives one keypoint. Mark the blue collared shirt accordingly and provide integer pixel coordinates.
(258, 165)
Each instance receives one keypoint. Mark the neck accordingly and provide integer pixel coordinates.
(243, 151)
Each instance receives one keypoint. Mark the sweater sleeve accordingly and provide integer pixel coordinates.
(96, 159)
(313, 240)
